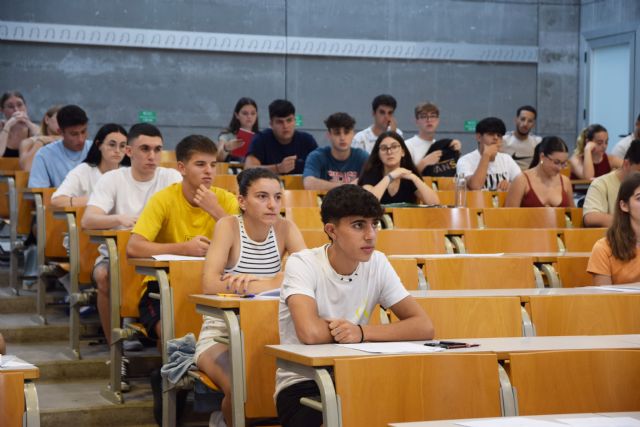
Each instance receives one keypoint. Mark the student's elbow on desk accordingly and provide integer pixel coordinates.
(313, 335)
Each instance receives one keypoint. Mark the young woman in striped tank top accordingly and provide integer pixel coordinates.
(244, 257)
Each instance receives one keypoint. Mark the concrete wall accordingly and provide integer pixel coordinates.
(194, 91)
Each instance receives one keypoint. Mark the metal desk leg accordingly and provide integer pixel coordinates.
(74, 270)
(331, 412)
(41, 236)
(13, 235)
(508, 401)
(167, 333)
(113, 392)
(31, 404)
(552, 275)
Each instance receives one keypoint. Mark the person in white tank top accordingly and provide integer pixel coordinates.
(258, 233)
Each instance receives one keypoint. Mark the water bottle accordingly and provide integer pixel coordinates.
(461, 191)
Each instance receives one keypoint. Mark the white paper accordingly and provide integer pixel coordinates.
(509, 422)
(168, 257)
(393, 347)
(12, 362)
(601, 421)
(617, 289)
(274, 293)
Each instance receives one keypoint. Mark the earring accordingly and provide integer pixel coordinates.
(542, 162)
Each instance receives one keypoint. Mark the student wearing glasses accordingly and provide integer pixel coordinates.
(391, 176)
(543, 184)
(427, 121)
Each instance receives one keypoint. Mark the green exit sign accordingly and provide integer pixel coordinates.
(299, 120)
(147, 117)
(470, 125)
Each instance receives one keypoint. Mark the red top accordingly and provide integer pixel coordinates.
(531, 200)
(598, 168)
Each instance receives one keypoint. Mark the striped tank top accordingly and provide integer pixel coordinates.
(258, 258)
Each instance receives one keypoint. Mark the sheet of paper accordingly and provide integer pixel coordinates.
(392, 347)
(601, 421)
(616, 289)
(12, 362)
(509, 422)
(167, 257)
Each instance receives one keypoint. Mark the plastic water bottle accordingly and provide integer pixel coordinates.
(461, 191)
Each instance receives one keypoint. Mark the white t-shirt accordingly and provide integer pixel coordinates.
(418, 148)
(520, 151)
(620, 149)
(366, 139)
(503, 167)
(116, 192)
(353, 298)
(79, 181)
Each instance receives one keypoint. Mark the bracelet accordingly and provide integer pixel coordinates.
(361, 333)
(391, 178)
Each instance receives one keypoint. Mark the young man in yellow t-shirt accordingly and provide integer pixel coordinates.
(180, 219)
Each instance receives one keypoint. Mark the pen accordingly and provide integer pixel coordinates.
(236, 295)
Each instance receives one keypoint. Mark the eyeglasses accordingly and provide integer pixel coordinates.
(389, 148)
(557, 162)
(431, 116)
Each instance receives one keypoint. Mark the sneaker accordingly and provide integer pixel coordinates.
(30, 284)
(217, 419)
(124, 375)
(133, 344)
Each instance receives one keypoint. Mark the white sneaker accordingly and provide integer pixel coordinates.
(217, 419)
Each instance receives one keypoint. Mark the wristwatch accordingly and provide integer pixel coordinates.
(391, 178)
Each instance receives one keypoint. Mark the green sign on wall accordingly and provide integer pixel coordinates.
(299, 120)
(147, 117)
(470, 125)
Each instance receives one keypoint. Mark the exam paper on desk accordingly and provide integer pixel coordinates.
(590, 421)
(393, 347)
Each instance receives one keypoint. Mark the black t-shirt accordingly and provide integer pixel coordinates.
(446, 166)
(266, 148)
(406, 193)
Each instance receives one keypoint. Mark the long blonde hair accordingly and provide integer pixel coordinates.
(44, 129)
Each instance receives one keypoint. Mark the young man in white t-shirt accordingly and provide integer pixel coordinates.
(486, 168)
(427, 120)
(329, 293)
(383, 119)
(118, 198)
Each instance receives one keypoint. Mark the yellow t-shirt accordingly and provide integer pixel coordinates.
(169, 218)
(603, 262)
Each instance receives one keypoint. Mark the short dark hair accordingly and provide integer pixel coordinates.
(528, 108)
(146, 129)
(281, 108)
(491, 125)
(248, 176)
(349, 200)
(71, 115)
(633, 152)
(384, 99)
(94, 156)
(189, 145)
(340, 120)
